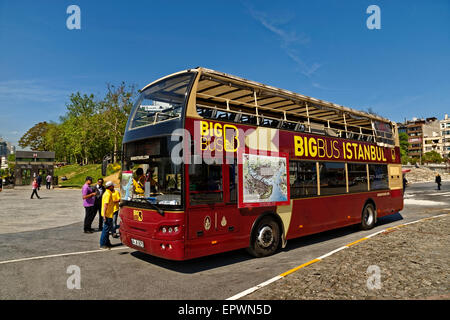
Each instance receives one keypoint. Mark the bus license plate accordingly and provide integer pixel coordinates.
(137, 243)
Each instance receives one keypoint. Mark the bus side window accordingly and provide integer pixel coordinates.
(332, 178)
(357, 177)
(378, 177)
(205, 184)
(303, 179)
(233, 176)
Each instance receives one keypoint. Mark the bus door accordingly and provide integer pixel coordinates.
(210, 211)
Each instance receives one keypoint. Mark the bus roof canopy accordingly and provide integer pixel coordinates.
(219, 90)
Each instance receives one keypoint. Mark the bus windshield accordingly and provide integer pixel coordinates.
(162, 101)
(154, 180)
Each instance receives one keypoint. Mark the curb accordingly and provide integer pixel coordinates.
(284, 274)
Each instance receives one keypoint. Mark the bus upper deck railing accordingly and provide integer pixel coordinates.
(238, 116)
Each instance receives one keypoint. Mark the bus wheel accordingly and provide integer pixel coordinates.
(368, 217)
(265, 238)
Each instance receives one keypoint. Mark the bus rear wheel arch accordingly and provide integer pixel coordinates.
(368, 216)
(265, 237)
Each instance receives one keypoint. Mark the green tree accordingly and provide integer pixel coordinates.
(11, 163)
(34, 138)
(77, 125)
(115, 109)
(404, 144)
(432, 157)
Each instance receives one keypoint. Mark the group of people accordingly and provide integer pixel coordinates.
(36, 184)
(104, 200)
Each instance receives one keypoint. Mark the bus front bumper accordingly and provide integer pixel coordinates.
(167, 249)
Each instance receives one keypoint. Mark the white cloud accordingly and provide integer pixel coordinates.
(30, 90)
(290, 40)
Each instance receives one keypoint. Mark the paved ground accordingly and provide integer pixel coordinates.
(57, 207)
(409, 262)
(126, 274)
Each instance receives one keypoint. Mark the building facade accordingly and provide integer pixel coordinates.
(445, 136)
(426, 135)
(29, 164)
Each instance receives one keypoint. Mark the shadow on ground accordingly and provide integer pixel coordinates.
(237, 256)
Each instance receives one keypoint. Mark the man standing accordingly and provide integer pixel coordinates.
(438, 180)
(39, 181)
(89, 204)
(100, 189)
(107, 213)
(405, 182)
(48, 179)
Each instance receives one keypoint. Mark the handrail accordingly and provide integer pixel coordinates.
(309, 126)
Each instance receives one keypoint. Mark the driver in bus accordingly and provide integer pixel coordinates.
(139, 182)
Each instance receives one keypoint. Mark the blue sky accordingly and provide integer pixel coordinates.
(318, 48)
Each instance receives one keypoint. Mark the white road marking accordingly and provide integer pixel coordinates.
(259, 286)
(61, 255)
(332, 252)
(248, 291)
(423, 202)
(437, 194)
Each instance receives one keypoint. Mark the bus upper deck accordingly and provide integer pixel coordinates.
(204, 93)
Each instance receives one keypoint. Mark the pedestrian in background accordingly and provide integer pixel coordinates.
(34, 186)
(405, 182)
(39, 181)
(107, 213)
(438, 181)
(48, 179)
(88, 195)
(99, 189)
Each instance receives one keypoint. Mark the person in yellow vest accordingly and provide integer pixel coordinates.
(107, 214)
(139, 182)
(116, 200)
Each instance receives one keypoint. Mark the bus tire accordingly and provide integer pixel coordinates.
(265, 238)
(368, 217)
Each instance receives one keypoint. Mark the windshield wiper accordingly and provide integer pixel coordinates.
(154, 206)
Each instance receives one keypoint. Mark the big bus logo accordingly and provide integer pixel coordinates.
(219, 137)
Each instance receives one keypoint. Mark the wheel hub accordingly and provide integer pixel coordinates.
(265, 237)
(369, 216)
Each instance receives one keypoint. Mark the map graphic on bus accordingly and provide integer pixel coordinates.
(264, 180)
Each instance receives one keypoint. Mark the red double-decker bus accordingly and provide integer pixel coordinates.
(214, 162)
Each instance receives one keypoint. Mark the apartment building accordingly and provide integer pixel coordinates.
(423, 135)
(445, 136)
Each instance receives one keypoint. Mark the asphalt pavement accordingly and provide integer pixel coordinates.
(44, 242)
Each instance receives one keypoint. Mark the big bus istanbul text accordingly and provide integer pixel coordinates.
(331, 149)
(221, 138)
